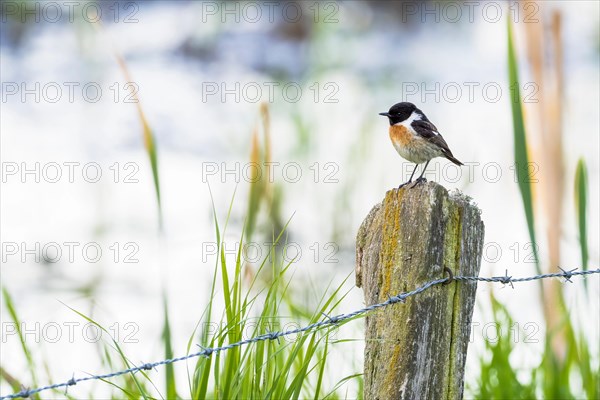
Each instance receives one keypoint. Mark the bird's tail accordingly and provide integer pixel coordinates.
(453, 159)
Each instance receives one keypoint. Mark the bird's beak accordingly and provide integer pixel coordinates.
(385, 114)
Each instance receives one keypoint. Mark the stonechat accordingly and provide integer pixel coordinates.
(415, 138)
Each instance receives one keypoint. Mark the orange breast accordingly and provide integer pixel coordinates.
(400, 135)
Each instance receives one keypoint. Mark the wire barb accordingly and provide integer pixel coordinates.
(331, 320)
(70, 382)
(206, 351)
(24, 393)
(274, 336)
(146, 366)
(568, 274)
(506, 280)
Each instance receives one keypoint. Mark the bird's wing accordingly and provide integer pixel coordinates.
(428, 131)
(425, 129)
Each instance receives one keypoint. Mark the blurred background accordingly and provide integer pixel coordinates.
(125, 124)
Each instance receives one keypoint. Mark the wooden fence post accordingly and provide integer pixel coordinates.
(417, 350)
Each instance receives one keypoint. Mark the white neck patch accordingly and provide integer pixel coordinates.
(413, 117)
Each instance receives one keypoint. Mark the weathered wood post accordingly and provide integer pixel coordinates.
(417, 350)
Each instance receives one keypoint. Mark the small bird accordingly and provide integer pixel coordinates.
(415, 138)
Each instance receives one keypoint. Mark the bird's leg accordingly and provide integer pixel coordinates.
(421, 179)
(411, 176)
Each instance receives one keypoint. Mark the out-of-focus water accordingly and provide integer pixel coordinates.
(333, 160)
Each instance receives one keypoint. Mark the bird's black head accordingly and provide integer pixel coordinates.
(400, 112)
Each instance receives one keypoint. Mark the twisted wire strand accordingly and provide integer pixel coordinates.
(328, 321)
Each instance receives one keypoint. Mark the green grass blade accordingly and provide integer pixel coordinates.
(257, 188)
(520, 143)
(169, 368)
(271, 369)
(341, 383)
(10, 306)
(127, 363)
(580, 207)
(147, 135)
(321, 370)
(152, 155)
(203, 365)
(14, 383)
(226, 291)
(130, 395)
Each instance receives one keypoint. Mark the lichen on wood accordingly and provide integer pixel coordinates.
(418, 349)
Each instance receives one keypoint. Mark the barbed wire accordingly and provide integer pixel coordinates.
(328, 321)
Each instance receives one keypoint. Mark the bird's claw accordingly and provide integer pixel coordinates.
(412, 184)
